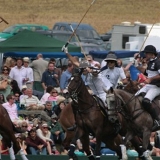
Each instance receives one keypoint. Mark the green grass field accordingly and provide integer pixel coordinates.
(102, 15)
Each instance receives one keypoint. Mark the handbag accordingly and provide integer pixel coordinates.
(3, 84)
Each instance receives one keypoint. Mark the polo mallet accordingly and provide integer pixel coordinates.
(145, 40)
(78, 41)
(79, 23)
(3, 20)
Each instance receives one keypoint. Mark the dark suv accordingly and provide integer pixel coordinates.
(85, 32)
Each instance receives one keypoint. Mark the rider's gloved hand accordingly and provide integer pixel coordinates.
(65, 49)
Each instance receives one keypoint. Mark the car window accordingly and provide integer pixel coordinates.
(62, 28)
(9, 29)
(56, 27)
(90, 34)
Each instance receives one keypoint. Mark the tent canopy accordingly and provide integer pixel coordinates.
(28, 42)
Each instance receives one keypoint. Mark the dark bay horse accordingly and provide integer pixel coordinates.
(91, 119)
(139, 122)
(7, 130)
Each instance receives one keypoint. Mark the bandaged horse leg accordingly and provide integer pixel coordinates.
(147, 155)
(85, 140)
(11, 153)
(21, 152)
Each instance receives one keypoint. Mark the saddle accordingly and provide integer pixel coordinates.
(102, 106)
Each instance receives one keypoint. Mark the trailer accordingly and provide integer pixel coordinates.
(127, 36)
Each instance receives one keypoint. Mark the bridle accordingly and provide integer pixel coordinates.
(74, 92)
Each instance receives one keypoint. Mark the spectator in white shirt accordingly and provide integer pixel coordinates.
(31, 102)
(29, 83)
(19, 73)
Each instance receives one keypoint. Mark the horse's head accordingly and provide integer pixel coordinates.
(75, 85)
(132, 87)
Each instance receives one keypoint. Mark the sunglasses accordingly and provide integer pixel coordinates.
(5, 69)
(54, 92)
(45, 127)
(16, 96)
(110, 61)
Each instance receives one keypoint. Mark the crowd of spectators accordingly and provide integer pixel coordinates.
(39, 86)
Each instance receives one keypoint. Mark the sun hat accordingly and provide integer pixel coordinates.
(60, 99)
(111, 56)
(26, 59)
(45, 125)
(24, 87)
(150, 49)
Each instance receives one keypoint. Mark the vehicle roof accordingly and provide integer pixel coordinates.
(74, 25)
(29, 25)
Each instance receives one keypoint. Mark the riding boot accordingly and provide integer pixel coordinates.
(148, 107)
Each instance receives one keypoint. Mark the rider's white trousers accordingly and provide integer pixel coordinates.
(151, 91)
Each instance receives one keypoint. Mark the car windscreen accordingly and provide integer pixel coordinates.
(87, 49)
(64, 37)
(90, 34)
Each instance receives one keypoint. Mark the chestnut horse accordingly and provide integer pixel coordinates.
(7, 130)
(90, 119)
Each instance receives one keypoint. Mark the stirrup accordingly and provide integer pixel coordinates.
(72, 128)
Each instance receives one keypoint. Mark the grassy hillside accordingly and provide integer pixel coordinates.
(102, 15)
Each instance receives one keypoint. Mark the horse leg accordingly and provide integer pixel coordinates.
(23, 156)
(78, 134)
(85, 143)
(98, 143)
(114, 144)
(146, 153)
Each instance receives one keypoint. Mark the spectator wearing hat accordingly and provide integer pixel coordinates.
(35, 144)
(39, 67)
(152, 83)
(29, 83)
(24, 92)
(19, 73)
(60, 105)
(56, 129)
(44, 133)
(112, 71)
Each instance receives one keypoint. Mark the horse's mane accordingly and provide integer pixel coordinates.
(122, 92)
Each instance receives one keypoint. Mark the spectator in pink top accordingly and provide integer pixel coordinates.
(11, 108)
(92, 62)
(53, 97)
